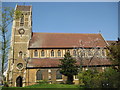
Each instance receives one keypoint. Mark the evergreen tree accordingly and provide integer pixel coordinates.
(68, 67)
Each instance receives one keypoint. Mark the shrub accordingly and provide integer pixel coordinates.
(110, 78)
(89, 78)
(42, 81)
(6, 84)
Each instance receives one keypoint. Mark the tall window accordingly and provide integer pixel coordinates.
(52, 53)
(58, 75)
(68, 51)
(103, 53)
(74, 53)
(22, 19)
(90, 52)
(59, 53)
(97, 53)
(35, 53)
(42, 53)
(39, 75)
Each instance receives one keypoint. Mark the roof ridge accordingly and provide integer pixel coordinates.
(62, 33)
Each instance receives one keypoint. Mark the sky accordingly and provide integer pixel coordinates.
(74, 17)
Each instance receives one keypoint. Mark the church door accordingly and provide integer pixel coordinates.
(19, 81)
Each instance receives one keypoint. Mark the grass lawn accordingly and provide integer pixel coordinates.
(45, 86)
(52, 86)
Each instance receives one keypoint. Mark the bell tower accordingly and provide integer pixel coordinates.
(20, 36)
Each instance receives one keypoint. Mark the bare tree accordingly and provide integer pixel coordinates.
(114, 54)
(89, 54)
(7, 14)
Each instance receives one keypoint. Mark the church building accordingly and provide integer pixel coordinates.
(35, 57)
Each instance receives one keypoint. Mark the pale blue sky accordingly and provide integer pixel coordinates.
(74, 17)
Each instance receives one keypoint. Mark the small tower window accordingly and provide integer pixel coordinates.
(52, 53)
(42, 53)
(35, 53)
(74, 53)
(26, 24)
(26, 19)
(59, 53)
(20, 53)
(17, 24)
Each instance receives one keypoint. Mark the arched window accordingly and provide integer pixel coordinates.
(59, 53)
(35, 53)
(68, 51)
(74, 53)
(52, 53)
(42, 53)
(58, 75)
(39, 75)
(82, 54)
(20, 53)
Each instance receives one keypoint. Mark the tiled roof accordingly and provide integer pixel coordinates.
(23, 8)
(111, 42)
(54, 62)
(66, 40)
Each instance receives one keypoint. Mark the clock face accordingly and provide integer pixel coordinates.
(19, 66)
(21, 31)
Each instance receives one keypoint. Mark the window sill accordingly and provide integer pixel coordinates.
(59, 79)
(35, 57)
